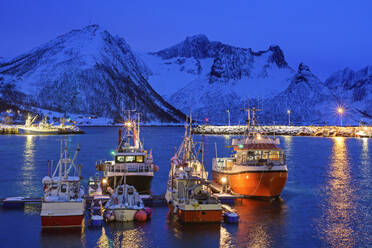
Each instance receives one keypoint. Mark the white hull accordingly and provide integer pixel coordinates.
(66, 208)
(124, 215)
(40, 130)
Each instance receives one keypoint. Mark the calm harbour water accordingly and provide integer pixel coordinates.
(326, 202)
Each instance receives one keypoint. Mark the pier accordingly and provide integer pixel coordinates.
(320, 131)
(7, 129)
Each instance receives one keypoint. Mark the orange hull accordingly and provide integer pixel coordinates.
(257, 184)
(197, 216)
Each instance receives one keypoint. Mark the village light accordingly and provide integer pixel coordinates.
(104, 181)
(340, 111)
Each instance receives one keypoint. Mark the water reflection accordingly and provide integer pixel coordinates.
(365, 156)
(28, 167)
(336, 222)
(123, 234)
(63, 237)
(261, 222)
(193, 235)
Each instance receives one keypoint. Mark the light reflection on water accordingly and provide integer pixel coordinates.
(28, 166)
(340, 208)
(122, 234)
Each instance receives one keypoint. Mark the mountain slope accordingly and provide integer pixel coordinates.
(84, 71)
(246, 72)
(307, 98)
(353, 89)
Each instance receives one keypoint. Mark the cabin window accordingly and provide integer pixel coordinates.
(139, 159)
(274, 155)
(250, 155)
(63, 188)
(119, 159)
(54, 186)
(130, 159)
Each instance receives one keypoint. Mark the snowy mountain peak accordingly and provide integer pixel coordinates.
(197, 39)
(304, 76)
(278, 56)
(85, 71)
(197, 46)
(302, 68)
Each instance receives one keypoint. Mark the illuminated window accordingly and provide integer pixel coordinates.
(139, 159)
(130, 159)
(120, 159)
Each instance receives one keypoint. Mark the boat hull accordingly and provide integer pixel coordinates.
(197, 216)
(124, 215)
(39, 131)
(141, 183)
(255, 183)
(62, 221)
(62, 214)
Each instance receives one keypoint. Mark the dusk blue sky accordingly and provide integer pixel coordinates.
(326, 35)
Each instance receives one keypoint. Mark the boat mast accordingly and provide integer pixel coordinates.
(65, 160)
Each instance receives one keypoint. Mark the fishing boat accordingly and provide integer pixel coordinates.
(188, 195)
(131, 160)
(257, 168)
(63, 201)
(125, 204)
(42, 128)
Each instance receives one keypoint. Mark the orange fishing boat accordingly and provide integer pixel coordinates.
(257, 168)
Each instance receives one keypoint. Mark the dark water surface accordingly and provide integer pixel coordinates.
(326, 202)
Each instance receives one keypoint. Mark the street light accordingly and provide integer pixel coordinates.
(340, 111)
(228, 113)
(289, 117)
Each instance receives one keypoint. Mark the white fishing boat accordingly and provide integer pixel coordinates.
(42, 128)
(63, 202)
(125, 204)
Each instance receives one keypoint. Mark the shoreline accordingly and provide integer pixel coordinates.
(315, 131)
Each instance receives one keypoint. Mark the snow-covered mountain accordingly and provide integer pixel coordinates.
(209, 77)
(196, 59)
(84, 71)
(307, 99)
(92, 72)
(353, 89)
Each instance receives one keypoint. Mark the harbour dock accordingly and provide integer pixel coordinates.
(9, 129)
(319, 131)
